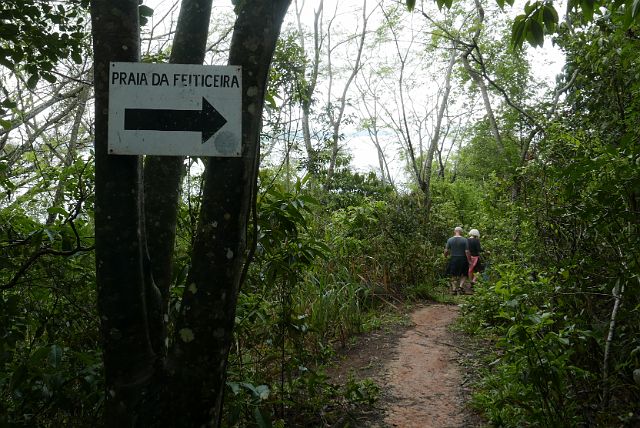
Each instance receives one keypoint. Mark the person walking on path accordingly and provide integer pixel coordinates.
(458, 266)
(475, 263)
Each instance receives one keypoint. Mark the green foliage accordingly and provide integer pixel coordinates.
(288, 317)
(245, 395)
(50, 365)
(534, 379)
(144, 12)
(561, 225)
(282, 246)
(572, 236)
(539, 18)
(385, 244)
(36, 35)
(287, 73)
(444, 3)
(315, 280)
(50, 369)
(564, 356)
(337, 308)
(350, 188)
(364, 391)
(457, 203)
(605, 61)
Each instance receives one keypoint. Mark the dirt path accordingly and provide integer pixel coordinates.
(418, 370)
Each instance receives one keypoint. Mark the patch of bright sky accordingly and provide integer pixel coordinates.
(546, 62)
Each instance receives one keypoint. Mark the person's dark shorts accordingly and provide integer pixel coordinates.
(458, 266)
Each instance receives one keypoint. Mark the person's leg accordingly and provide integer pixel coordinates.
(467, 288)
(472, 269)
(462, 284)
(453, 282)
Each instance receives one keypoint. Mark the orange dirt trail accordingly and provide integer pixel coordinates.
(424, 378)
(418, 370)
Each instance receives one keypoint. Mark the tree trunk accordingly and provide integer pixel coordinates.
(485, 98)
(185, 389)
(69, 157)
(128, 356)
(371, 115)
(402, 128)
(478, 79)
(374, 133)
(428, 161)
(163, 174)
(309, 89)
(617, 293)
(204, 328)
(336, 121)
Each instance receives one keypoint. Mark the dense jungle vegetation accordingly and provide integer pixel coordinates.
(463, 131)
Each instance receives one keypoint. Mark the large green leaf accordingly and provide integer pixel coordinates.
(587, 9)
(549, 17)
(535, 34)
(55, 355)
(518, 31)
(144, 13)
(635, 9)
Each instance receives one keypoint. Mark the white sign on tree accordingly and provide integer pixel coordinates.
(175, 109)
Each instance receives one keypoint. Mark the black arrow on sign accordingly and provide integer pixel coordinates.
(206, 120)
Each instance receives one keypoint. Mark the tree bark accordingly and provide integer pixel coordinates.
(485, 98)
(336, 121)
(372, 115)
(617, 293)
(81, 104)
(163, 174)
(185, 389)
(401, 127)
(128, 356)
(204, 328)
(56, 97)
(428, 161)
(478, 79)
(309, 89)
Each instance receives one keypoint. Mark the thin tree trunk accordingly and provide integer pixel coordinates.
(493, 125)
(374, 131)
(54, 98)
(617, 295)
(34, 130)
(428, 161)
(205, 324)
(402, 126)
(81, 104)
(337, 121)
(385, 175)
(477, 78)
(186, 388)
(163, 174)
(309, 89)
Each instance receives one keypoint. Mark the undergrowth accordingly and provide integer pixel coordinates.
(545, 368)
